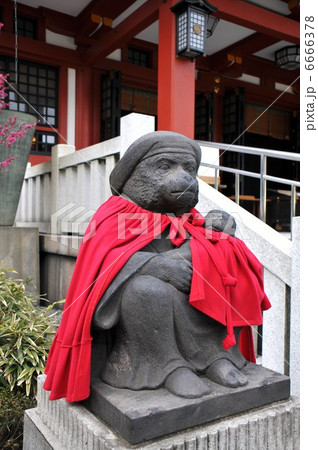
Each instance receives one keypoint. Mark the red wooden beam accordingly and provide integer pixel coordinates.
(38, 51)
(259, 67)
(254, 66)
(261, 94)
(132, 75)
(258, 19)
(251, 44)
(126, 30)
(58, 22)
(243, 48)
(104, 9)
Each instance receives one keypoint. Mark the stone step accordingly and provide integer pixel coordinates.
(59, 425)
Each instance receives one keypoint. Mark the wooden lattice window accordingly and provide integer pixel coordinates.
(34, 89)
(27, 27)
(138, 57)
(110, 105)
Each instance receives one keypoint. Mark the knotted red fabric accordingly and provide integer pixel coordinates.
(226, 284)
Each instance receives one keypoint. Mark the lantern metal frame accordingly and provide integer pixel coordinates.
(192, 17)
(288, 58)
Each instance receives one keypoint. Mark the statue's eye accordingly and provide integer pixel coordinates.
(164, 166)
(191, 169)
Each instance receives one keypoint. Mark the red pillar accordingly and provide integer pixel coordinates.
(176, 79)
(84, 108)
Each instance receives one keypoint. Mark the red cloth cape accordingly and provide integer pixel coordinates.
(226, 284)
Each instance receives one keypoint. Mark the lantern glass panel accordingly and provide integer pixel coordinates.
(288, 58)
(182, 31)
(197, 30)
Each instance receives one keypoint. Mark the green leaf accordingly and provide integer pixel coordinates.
(9, 370)
(18, 343)
(23, 373)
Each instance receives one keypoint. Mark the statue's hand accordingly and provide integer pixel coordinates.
(178, 273)
(219, 220)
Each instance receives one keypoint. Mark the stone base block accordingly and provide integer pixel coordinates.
(148, 414)
(70, 426)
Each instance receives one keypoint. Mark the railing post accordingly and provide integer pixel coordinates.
(294, 356)
(57, 196)
(216, 179)
(263, 187)
(293, 200)
(132, 127)
(237, 188)
(274, 323)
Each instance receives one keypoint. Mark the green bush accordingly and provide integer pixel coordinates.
(12, 407)
(26, 332)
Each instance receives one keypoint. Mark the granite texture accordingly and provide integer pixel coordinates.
(70, 426)
(143, 415)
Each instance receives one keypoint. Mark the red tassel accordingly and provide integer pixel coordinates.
(229, 341)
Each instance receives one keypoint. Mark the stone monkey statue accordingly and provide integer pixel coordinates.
(168, 293)
(160, 339)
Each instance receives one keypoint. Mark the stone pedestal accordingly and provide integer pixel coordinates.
(144, 415)
(70, 426)
(19, 250)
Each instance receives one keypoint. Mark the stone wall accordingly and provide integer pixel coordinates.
(70, 426)
(19, 250)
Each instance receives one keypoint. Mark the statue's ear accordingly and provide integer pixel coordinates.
(219, 220)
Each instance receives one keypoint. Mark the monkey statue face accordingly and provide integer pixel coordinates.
(164, 183)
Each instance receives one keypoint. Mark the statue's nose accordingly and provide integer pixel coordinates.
(186, 180)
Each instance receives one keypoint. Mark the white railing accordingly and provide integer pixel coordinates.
(60, 197)
(263, 176)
